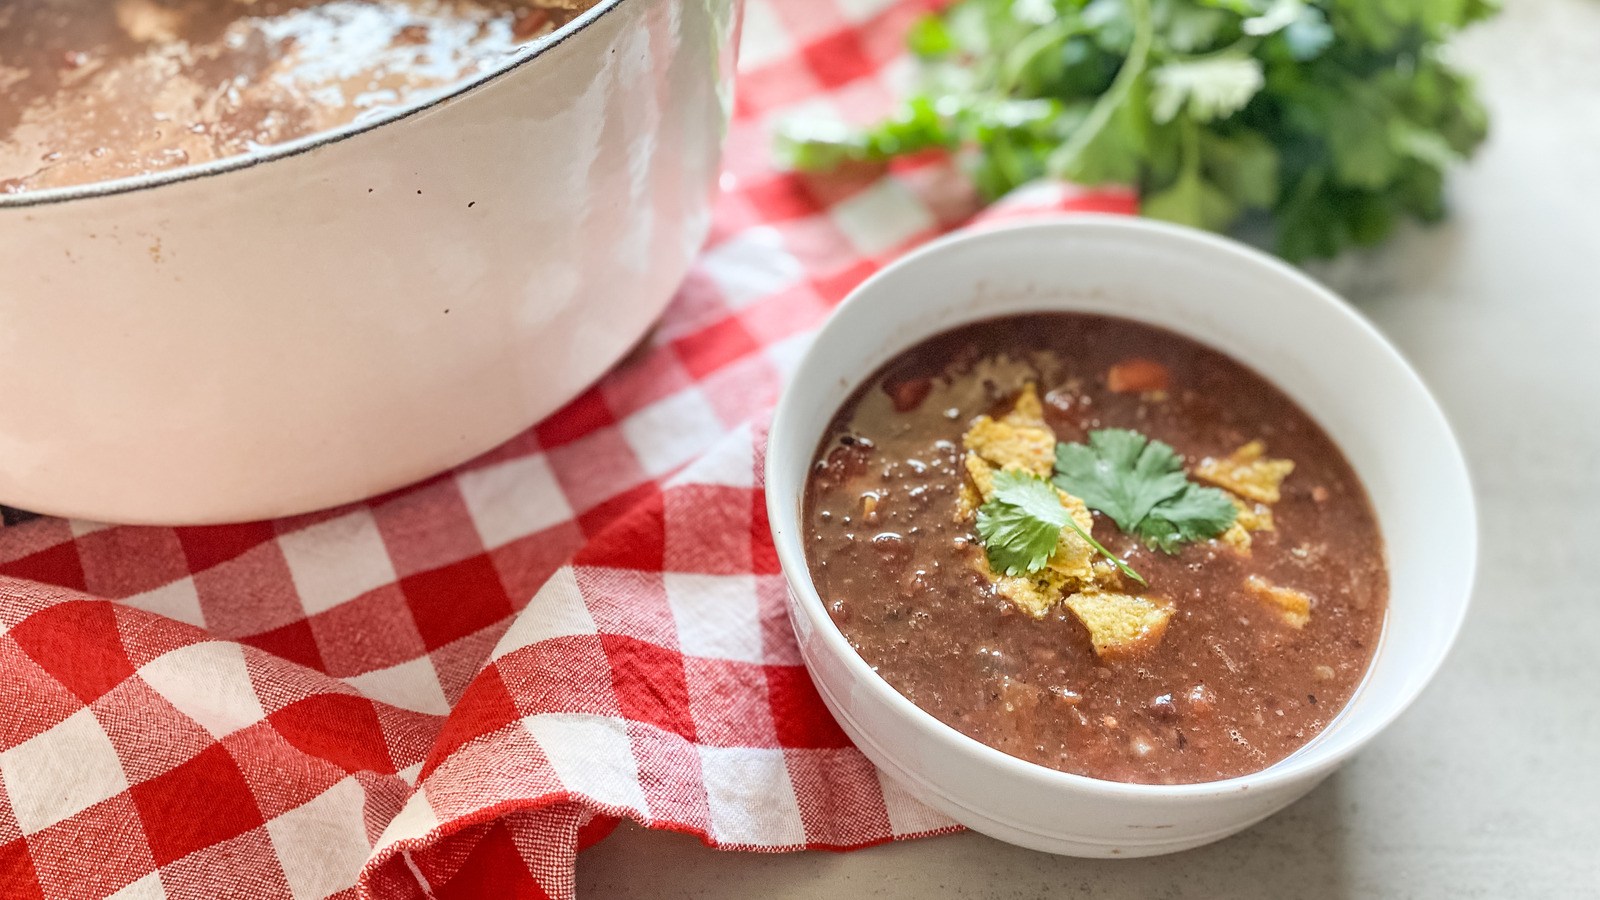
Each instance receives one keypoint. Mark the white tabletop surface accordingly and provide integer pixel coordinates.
(1490, 785)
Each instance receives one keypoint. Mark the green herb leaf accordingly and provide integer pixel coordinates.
(1190, 29)
(1244, 168)
(1191, 200)
(1212, 88)
(928, 38)
(1337, 118)
(1193, 514)
(1280, 15)
(1021, 524)
(1120, 473)
(1141, 485)
(1308, 36)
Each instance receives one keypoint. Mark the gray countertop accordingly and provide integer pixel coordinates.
(1490, 785)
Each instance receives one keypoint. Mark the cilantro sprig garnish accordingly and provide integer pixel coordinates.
(1141, 485)
(1021, 523)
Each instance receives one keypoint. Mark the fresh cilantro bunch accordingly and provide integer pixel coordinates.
(1334, 118)
(1141, 485)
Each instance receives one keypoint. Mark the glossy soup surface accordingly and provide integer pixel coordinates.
(92, 90)
(1230, 687)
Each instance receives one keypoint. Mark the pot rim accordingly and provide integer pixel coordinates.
(298, 146)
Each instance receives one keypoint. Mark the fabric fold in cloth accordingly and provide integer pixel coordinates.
(448, 690)
(673, 695)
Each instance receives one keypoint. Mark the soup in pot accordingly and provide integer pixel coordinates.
(92, 90)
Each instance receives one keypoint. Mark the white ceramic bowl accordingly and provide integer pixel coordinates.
(330, 318)
(1248, 305)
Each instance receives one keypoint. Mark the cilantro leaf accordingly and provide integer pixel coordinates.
(1193, 514)
(1280, 15)
(1192, 200)
(1141, 485)
(1214, 87)
(1120, 473)
(1021, 524)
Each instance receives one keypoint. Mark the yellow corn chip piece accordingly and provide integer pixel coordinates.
(1247, 472)
(1033, 594)
(1293, 606)
(1251, 517)
(1021, 440)
(1008, 446)
(1120, 623)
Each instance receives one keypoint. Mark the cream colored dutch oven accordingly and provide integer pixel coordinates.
(332, 318)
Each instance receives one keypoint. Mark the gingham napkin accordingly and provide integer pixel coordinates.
(447, 691)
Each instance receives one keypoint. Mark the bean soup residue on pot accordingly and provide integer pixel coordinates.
(92, 90)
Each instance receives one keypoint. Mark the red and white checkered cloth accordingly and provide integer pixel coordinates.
(446, 691)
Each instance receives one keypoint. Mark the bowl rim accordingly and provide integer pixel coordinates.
(275, 152)
(784, 522)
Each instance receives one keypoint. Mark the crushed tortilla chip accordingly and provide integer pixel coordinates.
(1106, 574)
(1074, 556)
(1247, 472)
(1071, 563)
(976, 489)
(982, 473)
(1033, 594)
(1236, 537)
(967, 502)
(1120, 623)
(1021, 440)
(1008, 446)
(1027, 408)
(1018, 440)
(1294, 606)
(1251, 517)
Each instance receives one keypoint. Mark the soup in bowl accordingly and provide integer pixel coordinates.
(1111, 538)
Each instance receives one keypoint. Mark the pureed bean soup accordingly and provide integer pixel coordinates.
(943, 543)
(92, 90)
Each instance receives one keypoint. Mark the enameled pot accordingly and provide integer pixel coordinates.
(329, 319)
